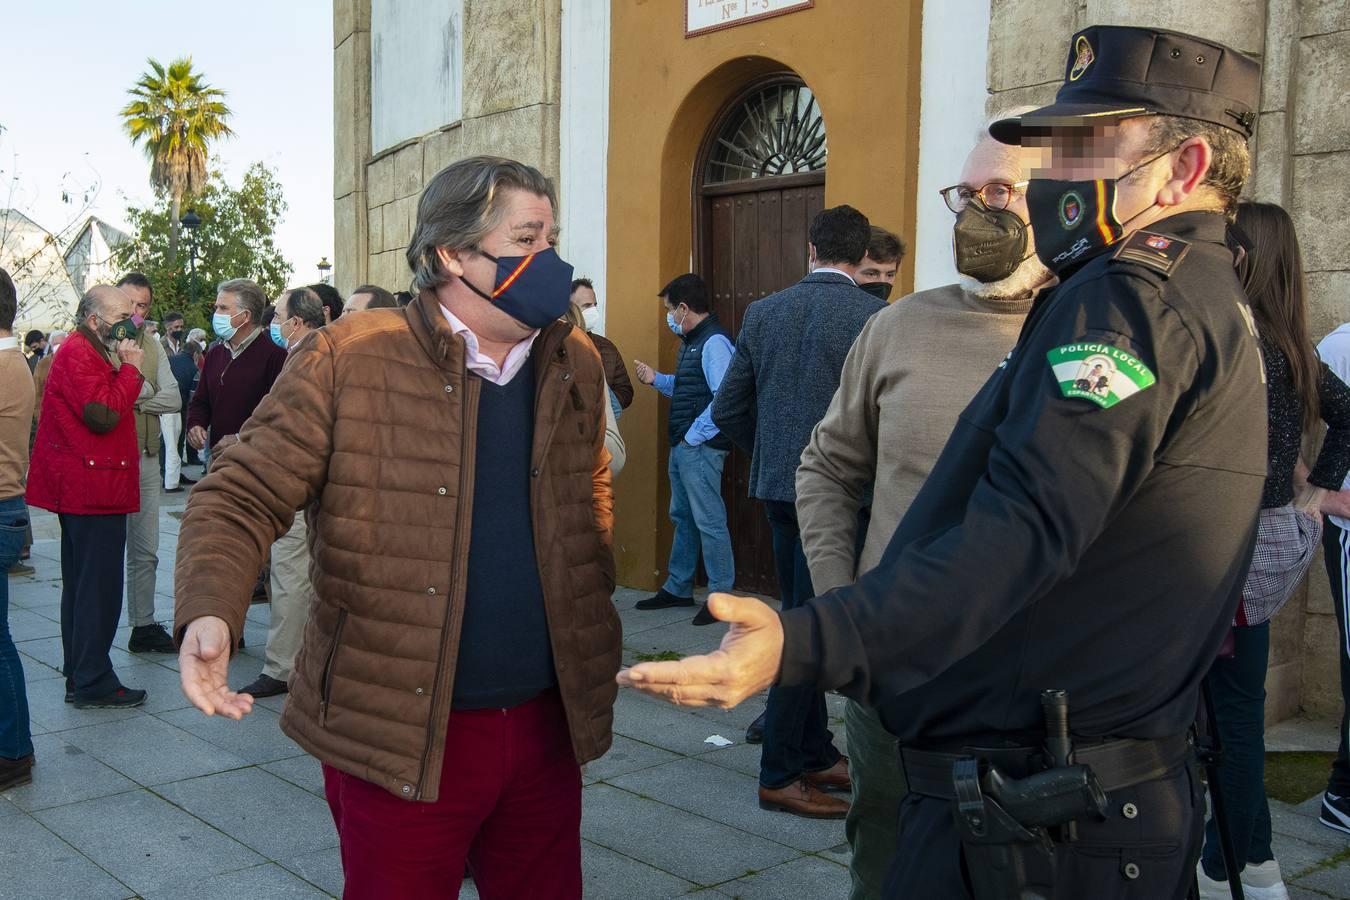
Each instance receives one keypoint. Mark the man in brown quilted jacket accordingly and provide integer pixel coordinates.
(457, 666)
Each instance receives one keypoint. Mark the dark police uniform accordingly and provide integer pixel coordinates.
(1096, 544)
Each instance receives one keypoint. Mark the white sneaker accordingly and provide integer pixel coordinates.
(1263, 882)
(1211, 889)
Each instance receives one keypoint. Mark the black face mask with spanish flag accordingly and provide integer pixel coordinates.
(1075, 220)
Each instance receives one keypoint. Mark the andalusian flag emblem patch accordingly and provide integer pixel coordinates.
(1101, 373)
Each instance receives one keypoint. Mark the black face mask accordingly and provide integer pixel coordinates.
(989, 244)
(879, 289)
(1076, 220)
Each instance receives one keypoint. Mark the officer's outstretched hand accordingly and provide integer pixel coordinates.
(745, 664)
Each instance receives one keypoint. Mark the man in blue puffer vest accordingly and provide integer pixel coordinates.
(698, 450)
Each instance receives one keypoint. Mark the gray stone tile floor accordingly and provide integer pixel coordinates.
(162, 802)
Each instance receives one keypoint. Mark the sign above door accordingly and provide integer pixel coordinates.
(703, 16)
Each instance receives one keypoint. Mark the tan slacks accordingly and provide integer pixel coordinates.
(292, 595)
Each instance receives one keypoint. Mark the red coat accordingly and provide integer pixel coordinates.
(84, 458)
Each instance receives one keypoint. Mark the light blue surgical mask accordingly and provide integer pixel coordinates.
(223, 325)
(677, 327)
(275, 332)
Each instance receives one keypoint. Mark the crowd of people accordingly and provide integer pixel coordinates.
(421, 485)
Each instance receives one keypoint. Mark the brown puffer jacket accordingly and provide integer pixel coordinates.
(371, 428)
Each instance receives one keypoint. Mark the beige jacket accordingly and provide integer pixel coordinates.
(915, 366)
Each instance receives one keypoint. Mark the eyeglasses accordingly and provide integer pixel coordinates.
(995, 195)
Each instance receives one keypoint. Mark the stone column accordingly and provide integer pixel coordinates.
(512, 64)
(351, 141)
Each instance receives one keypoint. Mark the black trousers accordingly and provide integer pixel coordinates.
(1336, 555)
(797, 736)
(1150, 856)
(92, 553)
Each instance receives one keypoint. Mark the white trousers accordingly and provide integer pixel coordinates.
(169, 428)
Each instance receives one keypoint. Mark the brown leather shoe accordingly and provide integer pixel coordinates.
(835, 778)
(801, 799)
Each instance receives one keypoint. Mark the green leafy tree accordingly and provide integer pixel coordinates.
(235, 240)
(175, 116)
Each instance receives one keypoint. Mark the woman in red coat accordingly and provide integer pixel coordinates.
(84, 468)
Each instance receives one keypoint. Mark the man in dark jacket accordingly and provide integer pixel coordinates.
(1064, 541)
(458, 662)
(239, 369)
(789, 354)
(697, 449)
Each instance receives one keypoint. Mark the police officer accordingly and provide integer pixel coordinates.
(1093, 542)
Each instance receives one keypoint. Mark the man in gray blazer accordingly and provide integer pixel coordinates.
(789, 354)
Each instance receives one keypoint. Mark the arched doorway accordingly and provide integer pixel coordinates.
(759, 180)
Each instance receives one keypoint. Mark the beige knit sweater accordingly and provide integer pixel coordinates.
(911, 372)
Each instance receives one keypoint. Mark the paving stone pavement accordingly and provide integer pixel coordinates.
(162, 802)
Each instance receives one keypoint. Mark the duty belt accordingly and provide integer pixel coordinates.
(1117, 764)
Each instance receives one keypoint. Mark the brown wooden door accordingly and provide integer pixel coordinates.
(754, 243)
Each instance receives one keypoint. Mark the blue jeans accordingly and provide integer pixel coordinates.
(700, 519)
(16, 740)
(797, 738)
(1238, 687)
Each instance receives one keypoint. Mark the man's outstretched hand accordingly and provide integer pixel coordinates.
(745, 664)
(204, 665)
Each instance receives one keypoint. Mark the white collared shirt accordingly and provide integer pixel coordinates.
(818, 269)
(483, 365)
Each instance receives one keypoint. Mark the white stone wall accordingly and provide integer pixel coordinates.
(951, 110)
(416, 68)
(584, 140)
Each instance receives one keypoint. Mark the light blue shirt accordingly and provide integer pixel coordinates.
(717, 353)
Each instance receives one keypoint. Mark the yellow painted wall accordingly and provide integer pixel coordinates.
(859, 57)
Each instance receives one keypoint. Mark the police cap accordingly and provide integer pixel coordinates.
(1117, 72)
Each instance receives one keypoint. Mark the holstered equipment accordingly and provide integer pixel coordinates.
(1013, 804)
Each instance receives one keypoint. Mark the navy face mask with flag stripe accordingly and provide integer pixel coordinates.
(534, 290)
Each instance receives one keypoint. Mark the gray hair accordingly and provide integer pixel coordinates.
(249, 295)
(306, 304)
(460, 207)
(91, 302)
(1229, 167)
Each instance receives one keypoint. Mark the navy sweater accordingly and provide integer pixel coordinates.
(505, 657)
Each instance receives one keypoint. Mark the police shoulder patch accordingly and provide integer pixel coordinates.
(1101, 373)
(1159, 252)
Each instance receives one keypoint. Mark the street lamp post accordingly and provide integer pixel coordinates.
(324, 267)
(191, 221)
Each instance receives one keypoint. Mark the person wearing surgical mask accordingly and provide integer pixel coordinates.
(896, 406)
(298, 312)
(698, 448)
(616, 373)
(239, 369)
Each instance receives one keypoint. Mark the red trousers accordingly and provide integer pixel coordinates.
(510, 805)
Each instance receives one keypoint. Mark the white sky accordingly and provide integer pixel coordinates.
(67, 67)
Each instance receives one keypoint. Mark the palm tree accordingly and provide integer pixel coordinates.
(176, 115)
